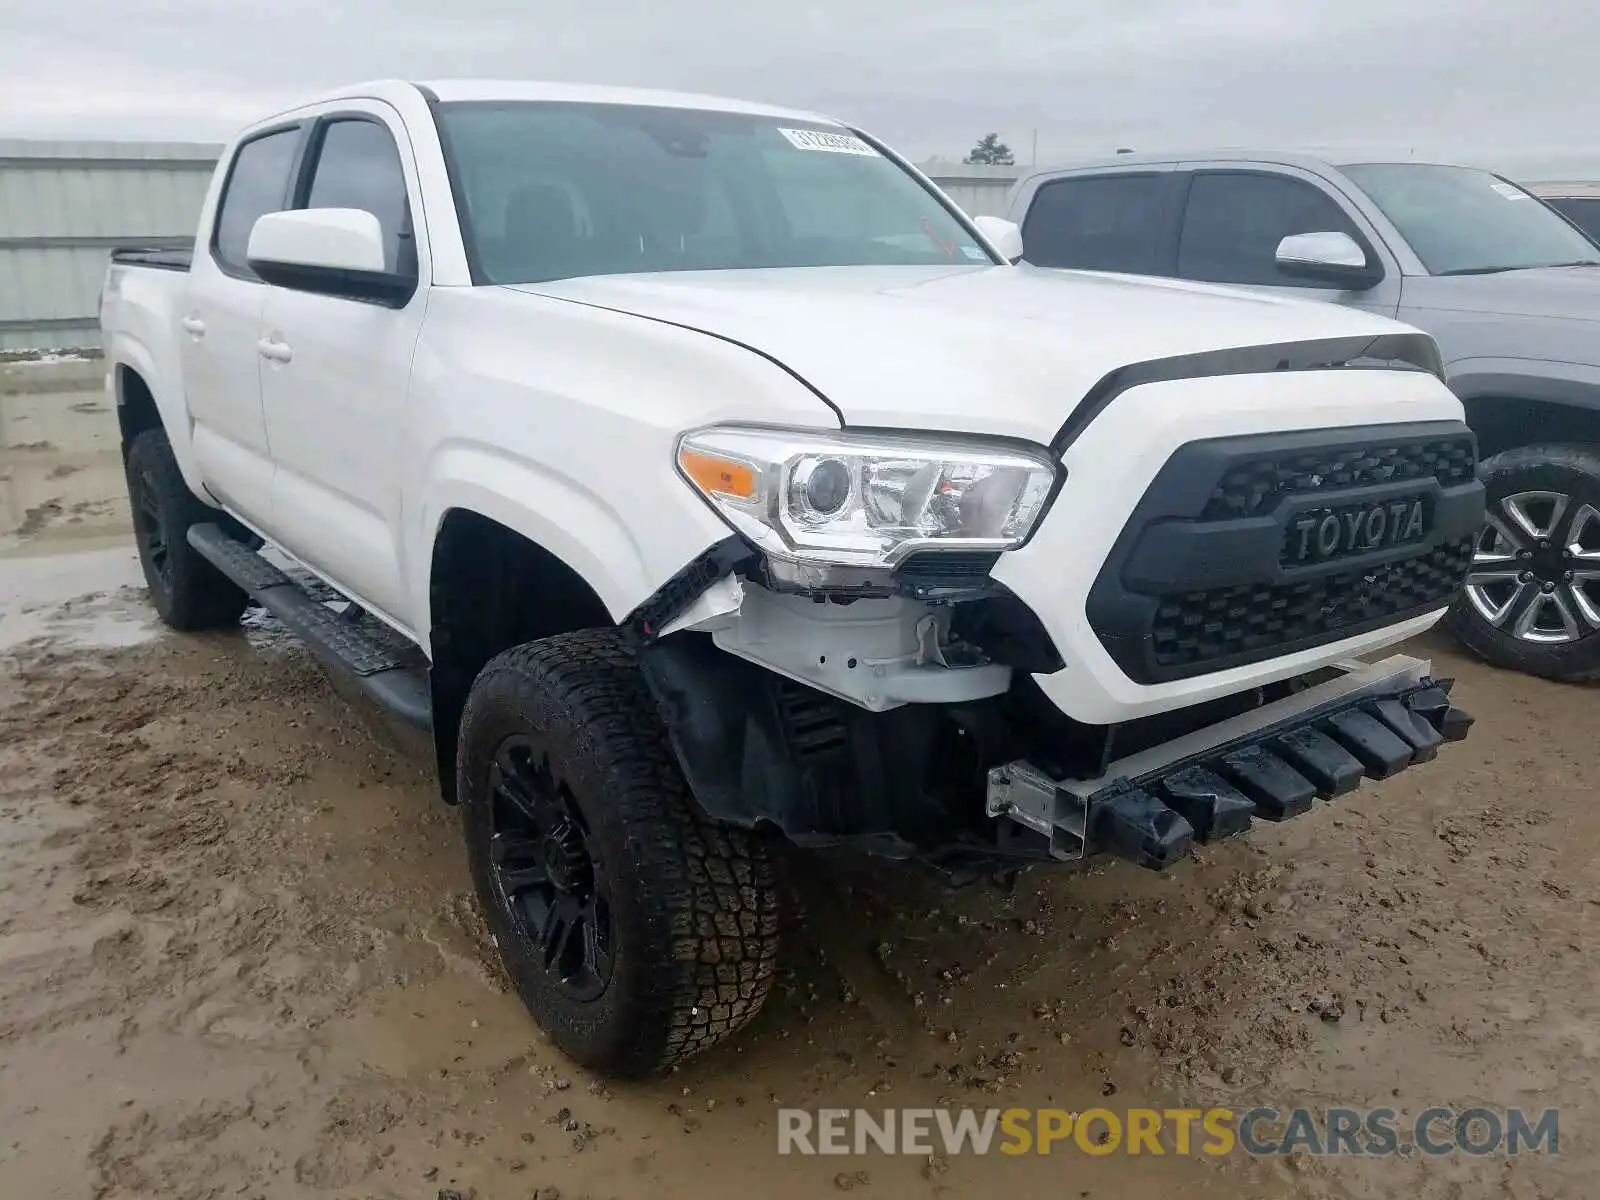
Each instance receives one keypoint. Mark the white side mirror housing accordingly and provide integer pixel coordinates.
(333, 239)
(1005, 236)
(329, 252)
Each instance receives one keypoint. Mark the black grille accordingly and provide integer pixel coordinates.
(1199, 627)
(941, 565)
(1253, 485)
(947, 574)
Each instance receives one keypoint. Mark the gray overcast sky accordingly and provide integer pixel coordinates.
(1509, 85)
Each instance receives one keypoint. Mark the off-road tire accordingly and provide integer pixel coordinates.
(1574, 472)
(694, 905)
(187, 591)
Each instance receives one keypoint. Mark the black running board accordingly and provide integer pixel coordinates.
(375, 670)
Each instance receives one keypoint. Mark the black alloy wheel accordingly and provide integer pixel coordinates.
(548, 869)
(637, 930)
(187, 591)
(147, 529)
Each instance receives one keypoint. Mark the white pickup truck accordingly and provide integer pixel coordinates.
(720, 482)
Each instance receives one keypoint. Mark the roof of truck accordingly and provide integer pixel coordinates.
(1291, 158)
(448, 90)
(478, 89)
(1565, 189)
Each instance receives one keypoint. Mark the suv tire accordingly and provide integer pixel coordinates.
(187, 591)
(637, 931)
(1532, 601)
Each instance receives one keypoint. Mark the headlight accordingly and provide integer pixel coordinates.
(866, 500)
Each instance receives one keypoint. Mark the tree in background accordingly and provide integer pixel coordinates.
(991, 152)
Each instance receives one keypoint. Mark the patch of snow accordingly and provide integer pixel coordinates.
(51, 358)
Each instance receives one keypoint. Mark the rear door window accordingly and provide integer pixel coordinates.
(258, 183)
(1120, 222)
(1235, 219)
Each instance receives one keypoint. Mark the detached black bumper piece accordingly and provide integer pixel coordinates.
(1153, 820)
(1269, 764)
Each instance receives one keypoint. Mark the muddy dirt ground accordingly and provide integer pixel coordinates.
(239, 955)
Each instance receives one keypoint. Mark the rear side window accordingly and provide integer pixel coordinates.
(1101, 223)
(1235, 220)
(1582, 211)
(358, 166)
(258, 183)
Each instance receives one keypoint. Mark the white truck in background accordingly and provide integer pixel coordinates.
(719, 482)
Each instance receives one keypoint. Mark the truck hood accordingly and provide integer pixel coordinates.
(1572, 293)
(989, 350)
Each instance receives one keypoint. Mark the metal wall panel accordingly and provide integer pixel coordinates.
(63, 205)
(980, 191)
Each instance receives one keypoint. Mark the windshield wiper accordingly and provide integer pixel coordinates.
(1577, 262)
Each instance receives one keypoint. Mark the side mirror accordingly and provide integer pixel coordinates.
(1005, 236)
(1330, 257)
(330, 251)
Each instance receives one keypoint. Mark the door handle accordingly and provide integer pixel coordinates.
(194, 325)
(274, 350)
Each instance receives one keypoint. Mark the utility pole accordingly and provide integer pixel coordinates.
(1034, 160)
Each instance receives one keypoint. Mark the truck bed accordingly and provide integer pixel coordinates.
(179, 259)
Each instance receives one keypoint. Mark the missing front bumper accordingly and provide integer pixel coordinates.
(1374, 721)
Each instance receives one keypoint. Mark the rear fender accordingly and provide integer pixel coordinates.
(140, 332)
(128, 354)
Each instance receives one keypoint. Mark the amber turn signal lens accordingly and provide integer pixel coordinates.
(718, 476)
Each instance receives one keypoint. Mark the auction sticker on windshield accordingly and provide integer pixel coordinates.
(1509, 192)
(831, 143)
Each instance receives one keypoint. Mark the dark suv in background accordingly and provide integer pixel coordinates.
(1577, 202)
(1508, 287)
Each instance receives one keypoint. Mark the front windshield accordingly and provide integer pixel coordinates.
(552, 190)
(1462, 221)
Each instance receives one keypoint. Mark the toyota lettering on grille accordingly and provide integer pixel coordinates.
(1332, 533)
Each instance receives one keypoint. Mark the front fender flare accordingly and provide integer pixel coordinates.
(1571, 385)
(624, 558)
